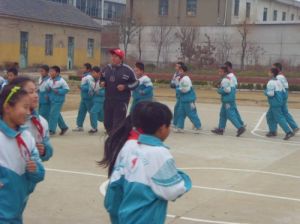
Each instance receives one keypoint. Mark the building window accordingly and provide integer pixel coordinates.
(292, 17)
(49, 44)
(265, 14)
(90, 48)
(236, 7)
(283, 16)
(191, 7)
(163, 7)
(248, 9)
(275, 15)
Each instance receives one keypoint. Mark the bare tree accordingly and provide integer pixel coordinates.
(128, 31)
(187, 37)
(204, 53)
(243, 29)
(160, 36)
(254, 54)
(224, 48)
(140, 41)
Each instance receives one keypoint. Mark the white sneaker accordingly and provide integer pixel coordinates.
(197, 130)
(78, 129)
(178, 130)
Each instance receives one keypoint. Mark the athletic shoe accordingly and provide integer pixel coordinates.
(63, 131)
(93, 131)
(240, 131)
(296, 130)
(288, 136)
(78, 129)
(178, 130)
(51, 133)
(218, 131)
(197, 130)
(271, 134)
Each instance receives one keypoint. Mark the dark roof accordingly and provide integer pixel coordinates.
(46, 11)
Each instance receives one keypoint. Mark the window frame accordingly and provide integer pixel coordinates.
(163, 7)
(49, 39)
(90, 47)
(191, 7)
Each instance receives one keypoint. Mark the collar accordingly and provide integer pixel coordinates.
(57, 77)
(151, 140)
(45, 77)
(11, 133)
(35, 114)
(86, 74)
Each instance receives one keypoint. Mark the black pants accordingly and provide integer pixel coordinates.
(114, 114)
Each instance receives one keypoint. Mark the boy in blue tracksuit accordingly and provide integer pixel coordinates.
(228, 108)
(57, 89)
(289, 118)
(144, 92)
(187, 98)
(276, 94)
(174, 84)
(44, 102)
(86, 100)
(98, 96)
(234, 86)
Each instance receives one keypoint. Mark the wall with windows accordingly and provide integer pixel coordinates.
(48, 44)
(264, 11)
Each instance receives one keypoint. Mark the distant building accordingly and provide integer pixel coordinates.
(113, 9)
(35, 32)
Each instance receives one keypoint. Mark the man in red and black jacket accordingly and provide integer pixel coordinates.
(119, 79)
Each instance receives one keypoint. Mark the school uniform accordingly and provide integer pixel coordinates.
(144, 179)
(174, 84)
(144, 92)
(57, 89)
(86, 99)
(38, 127)
(2, 82)
(44, 102)
(234, 86)
(276, 93)
(98, 97)
(16, 183)
(228, 107)
(187, 107)
(289, 118)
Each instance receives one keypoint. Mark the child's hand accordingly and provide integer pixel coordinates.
(31, 166)
(102, 84)
(121, 88)
(41, 149)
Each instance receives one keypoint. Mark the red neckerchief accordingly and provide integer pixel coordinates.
(181, 76)
(135, 134)
(38, 125)
(24, 151)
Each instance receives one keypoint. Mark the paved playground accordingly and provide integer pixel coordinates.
(251, 179)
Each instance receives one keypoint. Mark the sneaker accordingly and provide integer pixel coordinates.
(93, 131)
(218, 131)
(288, 136)
(271, 134)
(197, 130)
(78, 129)
(178, 130)
(240, 131)
(51, 133)
(296, 130)
(63, 131)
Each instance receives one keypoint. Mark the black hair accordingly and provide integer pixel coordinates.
(225, 69)
(21, 81)
(45, 67)
(147, 116)
(184, 67)
(274, 71)
(140, 65)
(278, 66)
(56, 68)
(14, 98)
(180, 63)
(228, 64)
(88, 66)
(13, 70)
(96, 69)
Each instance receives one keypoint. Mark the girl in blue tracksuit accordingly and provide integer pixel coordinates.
(228, 109)
(57, 89)
(144, 92)
(143, 175)
(98, 95)
(86, 100)
(20, 165)
(187, 98)
(276, 93)
(36, 124)
(289, 118)
(44, 102)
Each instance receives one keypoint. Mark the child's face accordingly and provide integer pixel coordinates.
(43, 72)
(138, 72)
(18, 113)
(53, 73)
(163, 132)
(270, 74)
(177, 67)
(30, 88)
(115, 59)
(10, 76)
(96, 75)
(221, 72)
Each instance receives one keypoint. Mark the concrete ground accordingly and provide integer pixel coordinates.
(250, 179)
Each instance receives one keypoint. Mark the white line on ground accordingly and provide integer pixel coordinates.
(76, 172)
(258, 124)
